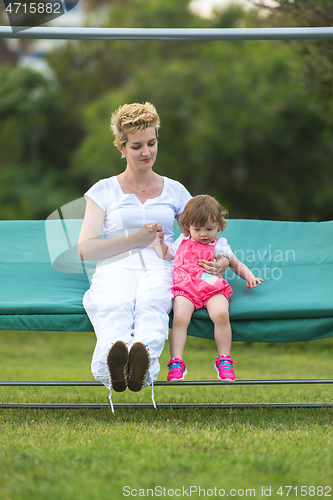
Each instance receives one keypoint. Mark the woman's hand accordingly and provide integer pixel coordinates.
(159, 239)
(147, 234)
(217, 267)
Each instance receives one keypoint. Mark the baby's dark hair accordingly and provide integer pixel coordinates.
(201, 209)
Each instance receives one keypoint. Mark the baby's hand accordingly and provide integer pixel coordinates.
(160, 236)
(252, 281)
(153, 226)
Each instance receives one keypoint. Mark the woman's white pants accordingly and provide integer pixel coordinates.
(129, 305)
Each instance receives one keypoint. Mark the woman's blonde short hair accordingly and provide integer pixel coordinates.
(132, 117)
(200, 210)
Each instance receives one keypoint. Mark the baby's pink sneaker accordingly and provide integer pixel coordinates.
(177, 370)
(223, 367)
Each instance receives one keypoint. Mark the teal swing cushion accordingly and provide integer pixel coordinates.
(43, 281)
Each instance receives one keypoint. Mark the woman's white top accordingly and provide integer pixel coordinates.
(125, 214)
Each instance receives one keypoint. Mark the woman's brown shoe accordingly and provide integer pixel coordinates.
(117, 361)
(139, 362)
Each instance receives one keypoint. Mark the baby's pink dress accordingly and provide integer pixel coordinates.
(189, 277)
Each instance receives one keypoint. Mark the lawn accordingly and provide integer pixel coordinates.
(184, 453)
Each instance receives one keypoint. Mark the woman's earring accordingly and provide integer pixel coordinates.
(122, 156)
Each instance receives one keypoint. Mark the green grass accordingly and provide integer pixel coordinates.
(92, 454)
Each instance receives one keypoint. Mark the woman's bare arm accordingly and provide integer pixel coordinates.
(91, 247)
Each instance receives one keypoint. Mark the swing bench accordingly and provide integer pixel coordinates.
(43, 282)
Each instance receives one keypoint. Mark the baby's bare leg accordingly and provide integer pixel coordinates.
(182, 313)
(218, 310)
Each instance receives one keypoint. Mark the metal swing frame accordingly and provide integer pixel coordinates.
(196, 383)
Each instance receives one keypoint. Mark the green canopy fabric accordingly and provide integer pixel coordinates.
(43, 280)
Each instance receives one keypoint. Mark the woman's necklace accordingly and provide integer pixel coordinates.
(138, 189)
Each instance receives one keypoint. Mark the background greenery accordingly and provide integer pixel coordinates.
(249, 122)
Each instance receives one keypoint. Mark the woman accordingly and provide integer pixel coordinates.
(131, 296)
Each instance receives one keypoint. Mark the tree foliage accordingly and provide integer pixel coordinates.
(317, 60)
(29, 181)
(247, 122)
